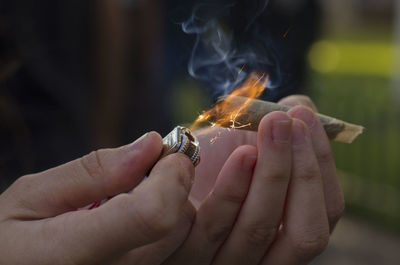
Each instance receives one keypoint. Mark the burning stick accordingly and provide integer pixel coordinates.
(239, 112)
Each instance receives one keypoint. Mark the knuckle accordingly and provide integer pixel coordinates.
(311, 243)
(260, 235)
(218, 233)
(183, 172)
(325, 157)
(23, 184)
(176, 162)
(230, 196)
(277, 177)
(20, 193)
(308, 172)
(277, 174)
(92, 165)
(153, 220)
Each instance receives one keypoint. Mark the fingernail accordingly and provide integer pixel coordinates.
(138, 144)
(248, 162)
(281, 130)
(299, 133)
(307, 116)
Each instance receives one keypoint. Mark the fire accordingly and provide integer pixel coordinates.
(216, 116)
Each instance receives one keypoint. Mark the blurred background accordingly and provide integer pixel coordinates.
(81, 75)
(355, 74)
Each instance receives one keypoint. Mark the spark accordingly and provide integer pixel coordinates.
(241, 69)
(235, 124)
(241, 126)
(215, 138)
(287, 31)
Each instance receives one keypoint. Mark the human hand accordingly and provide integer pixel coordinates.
(40, 223)
(279, 211)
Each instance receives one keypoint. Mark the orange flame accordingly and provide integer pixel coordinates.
(251, 88)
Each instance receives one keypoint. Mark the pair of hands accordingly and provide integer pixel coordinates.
(266, 198)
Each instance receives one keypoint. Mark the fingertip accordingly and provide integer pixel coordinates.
(127, 165)
(246, 156)
(246, 150)
(304, 113)
(300, 132)
(289, 102)
(295, 100)
(179, 165)
(151, 142)
(275, 126)
(155, 137)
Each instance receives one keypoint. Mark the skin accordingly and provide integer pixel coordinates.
(266, 198)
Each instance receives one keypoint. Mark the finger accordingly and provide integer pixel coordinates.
(217, 144)
(156, 253)
(305, 229)
(333, 194)
(295, 100)
(129, 221)
(217, 214)
(99, 175)
(261, 213)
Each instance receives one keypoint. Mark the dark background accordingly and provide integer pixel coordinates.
(79, 75)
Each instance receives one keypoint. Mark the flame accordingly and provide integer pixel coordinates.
(251, 88)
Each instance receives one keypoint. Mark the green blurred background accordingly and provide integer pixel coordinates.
(354, 76)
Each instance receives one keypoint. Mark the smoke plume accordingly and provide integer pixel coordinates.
(230, 44)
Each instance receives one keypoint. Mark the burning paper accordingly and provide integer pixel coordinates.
(240, 110)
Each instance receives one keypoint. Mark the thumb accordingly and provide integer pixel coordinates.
(101, 174)
(130, 220)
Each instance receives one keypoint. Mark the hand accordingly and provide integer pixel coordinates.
(274, 201)
(40, 223)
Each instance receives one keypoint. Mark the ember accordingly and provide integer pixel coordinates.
(251, 88)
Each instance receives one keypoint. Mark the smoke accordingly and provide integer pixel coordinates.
(230, 43)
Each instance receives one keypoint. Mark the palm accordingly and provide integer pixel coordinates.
(216, 146)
